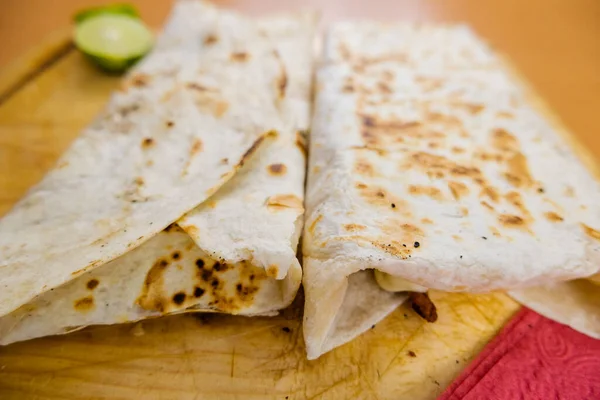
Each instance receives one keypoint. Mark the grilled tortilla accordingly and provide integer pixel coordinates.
(143, 216)
(429, 164)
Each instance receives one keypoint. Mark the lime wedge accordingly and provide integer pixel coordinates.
(113, 41)
(122, 9)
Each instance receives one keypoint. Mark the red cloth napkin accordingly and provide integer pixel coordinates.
(532, 358)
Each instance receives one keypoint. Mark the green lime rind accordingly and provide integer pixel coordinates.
(113, 42)
(115, 9)
(112, 65)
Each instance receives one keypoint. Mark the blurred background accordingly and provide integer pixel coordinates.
(554, 43)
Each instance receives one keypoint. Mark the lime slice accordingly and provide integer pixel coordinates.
(114, 42)
(122, 9)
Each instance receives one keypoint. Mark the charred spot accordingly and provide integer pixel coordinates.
(215, 283)
(393, 205)
(147, 142)
(251, 277)
(170, 124)
(210, 39)
(176, 255)
(206, 274)
(198, 291)
(417, 244)
(200, 263)
(540, 190)
(239, 287)
(380, 194)
(217, 266)
(277, 169)
(411, 353)
(92, 284)
(163, 263)
(179, 298)
(84, 304)
(286, 329)
(423, 306)
(239, 56)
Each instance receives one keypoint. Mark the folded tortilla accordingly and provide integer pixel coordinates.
(143, 216)
(429, 164)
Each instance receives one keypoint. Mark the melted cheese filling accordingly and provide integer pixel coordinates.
(393, 283)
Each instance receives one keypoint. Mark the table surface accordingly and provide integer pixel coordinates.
(555, 43)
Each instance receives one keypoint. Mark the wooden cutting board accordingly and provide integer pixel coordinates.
(44, 102)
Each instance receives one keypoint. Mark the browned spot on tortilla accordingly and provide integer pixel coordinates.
(137, 80)
(430, 191)
(239, 56)
(569, 191)
(377, 195)
(354, 227)
(437, 166)
(457, 150)
(384, 87)
(85, 304)
(464, 211)
(139, 181)
(147, 142)
(220, 108)
(375, 130)
(277, 169)
(348, 88)
(429, 84)
(445, 119)
(152, 296)
(313, 225)
(516, 200)
(487, 205)
(458, 189)
(252, 149)
(591, 232)
(504, 140)
(301, 141)
(363, 167)
(191, 230)
(272, 270)
(210, 39)
(426, 221)
(490, 193)
(279, 201)
(423, 306)
(197, 87)
(474, 108)
(92, 283)
(504, 114)
(495, 231)
(511, 221)
(196, 147)
(517, 171)
(553, 217)
(457, 238)
(282, 79)
(149, 163)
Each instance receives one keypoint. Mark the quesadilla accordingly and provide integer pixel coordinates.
(184, 195)
(429, 165)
